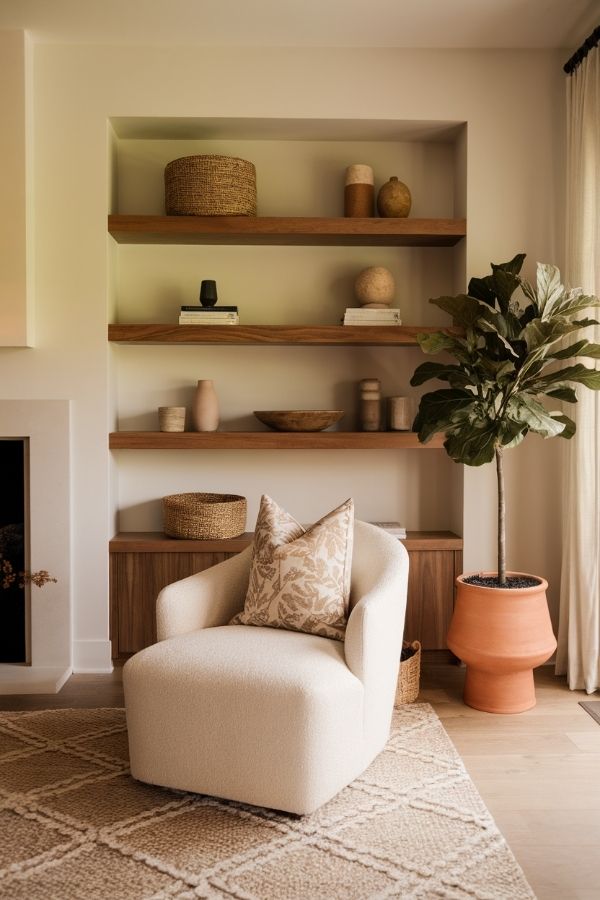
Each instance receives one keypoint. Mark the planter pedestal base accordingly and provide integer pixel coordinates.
(513, 692)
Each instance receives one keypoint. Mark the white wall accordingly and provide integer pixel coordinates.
(512, 104)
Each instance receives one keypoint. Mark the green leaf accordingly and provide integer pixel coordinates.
(569, 426)
(439, 410)
(444, 372)
(504, 284)
(513, 266)
(512, 433)
(526, 411)
(436, 341)
(579, 373)
(541, 335)
(549, 288)
(464, 310)
(563, 392)
(580, 348)
(570, 351)
(472, 445)
(571, 303)
(479, 288)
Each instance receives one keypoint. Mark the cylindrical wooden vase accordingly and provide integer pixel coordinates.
(370, 404)
(359, 192)
(205, 407)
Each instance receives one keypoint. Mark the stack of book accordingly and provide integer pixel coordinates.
(394, 528)
(361, 315)
(209, 315)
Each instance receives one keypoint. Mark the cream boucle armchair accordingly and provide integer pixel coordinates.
(264, 716)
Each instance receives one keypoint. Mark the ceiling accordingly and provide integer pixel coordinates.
(308, 23)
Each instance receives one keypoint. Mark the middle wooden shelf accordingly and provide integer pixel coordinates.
(270, 440)
(357, 335)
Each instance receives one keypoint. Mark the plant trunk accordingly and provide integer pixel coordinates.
(501, 518)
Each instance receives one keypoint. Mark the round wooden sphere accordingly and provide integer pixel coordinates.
(375, 285)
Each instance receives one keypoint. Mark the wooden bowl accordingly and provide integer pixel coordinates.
(298, 419)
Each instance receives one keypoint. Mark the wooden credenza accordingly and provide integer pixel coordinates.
(142, 563)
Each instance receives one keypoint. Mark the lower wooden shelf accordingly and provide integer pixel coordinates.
(142, 563)
(271, 440)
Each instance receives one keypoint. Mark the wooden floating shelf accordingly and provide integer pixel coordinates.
(407, 232)
(270, 440)
(357, 335)
(158, 542)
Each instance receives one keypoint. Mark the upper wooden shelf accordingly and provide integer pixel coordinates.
(359, 335)
(278, 230)
(270, 440)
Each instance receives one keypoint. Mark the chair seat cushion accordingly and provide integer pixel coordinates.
(261, 715)
(249, 658)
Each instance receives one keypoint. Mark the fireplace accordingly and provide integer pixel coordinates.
(38, 656)
(13, 516)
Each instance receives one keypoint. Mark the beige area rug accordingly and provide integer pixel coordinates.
(74, 824)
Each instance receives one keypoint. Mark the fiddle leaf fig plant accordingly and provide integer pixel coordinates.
(509, 355)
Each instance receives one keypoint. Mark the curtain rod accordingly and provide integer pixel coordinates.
(579, 55)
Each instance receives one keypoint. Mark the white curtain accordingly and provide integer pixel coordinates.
(579, 625)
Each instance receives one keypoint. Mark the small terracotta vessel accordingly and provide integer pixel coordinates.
(205, 407)
(501, 634)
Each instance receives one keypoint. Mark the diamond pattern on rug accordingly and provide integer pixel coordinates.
(74, 824)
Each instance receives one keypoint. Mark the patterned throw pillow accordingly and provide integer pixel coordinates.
(300, 579)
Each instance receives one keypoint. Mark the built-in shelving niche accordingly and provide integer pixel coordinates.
(300, 173)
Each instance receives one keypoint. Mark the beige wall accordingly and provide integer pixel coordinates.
(16, 247)
(512, 104)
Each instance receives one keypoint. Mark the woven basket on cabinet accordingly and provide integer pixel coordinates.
(407, 690)
(210, 185)
(204, 517)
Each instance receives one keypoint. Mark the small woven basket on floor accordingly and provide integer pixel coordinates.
(408, 676)
(204, 517)
(210, 186)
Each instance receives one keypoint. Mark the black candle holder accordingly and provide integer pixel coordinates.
(208, 292)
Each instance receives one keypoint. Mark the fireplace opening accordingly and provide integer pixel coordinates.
(13, 607)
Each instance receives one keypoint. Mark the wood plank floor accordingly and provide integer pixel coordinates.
(538, 772)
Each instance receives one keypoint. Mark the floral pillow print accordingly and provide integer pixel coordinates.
(300, 578)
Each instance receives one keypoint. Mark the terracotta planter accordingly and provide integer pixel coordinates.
(501, 634)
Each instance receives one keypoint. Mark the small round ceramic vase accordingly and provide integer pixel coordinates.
(205, 407)
(393, 199)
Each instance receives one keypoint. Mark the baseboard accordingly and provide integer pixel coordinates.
(92, 657)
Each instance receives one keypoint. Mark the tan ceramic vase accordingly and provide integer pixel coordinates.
(205, 407)
(393, 199)
(501, 634)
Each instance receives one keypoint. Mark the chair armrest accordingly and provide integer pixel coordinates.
(203, 600)
(376, 623)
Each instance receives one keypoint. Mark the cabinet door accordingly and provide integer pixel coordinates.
(430, 597)
(135, 582)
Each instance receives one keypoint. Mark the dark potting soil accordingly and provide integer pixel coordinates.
(512, 581)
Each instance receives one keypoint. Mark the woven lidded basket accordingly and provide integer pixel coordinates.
(410, 670)
(210, 185)
(203, 517)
